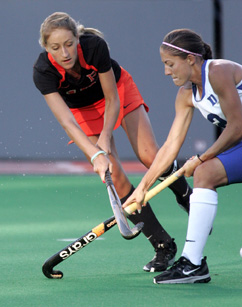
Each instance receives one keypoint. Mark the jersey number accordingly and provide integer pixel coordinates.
(216, 120)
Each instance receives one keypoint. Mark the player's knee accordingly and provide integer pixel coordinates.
(147, 158)
(203, 176)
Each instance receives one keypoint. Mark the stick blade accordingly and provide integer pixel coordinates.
(50, 273)
(135, 231)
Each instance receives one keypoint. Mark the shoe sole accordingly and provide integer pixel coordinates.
(187, 280)
(152, 269)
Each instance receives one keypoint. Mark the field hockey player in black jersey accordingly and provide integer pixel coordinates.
(90, 95)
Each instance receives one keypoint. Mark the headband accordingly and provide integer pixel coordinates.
(181, 49)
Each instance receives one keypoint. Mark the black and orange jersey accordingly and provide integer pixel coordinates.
(94, 57)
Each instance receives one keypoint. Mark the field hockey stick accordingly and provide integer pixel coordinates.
(118, 211)
(96, 232)
(74, 247)
(154, 191)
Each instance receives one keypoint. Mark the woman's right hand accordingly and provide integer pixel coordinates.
(138, 197)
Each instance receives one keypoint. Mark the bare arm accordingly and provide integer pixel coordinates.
(72, 129)
(112, 108)
(169, 151)
(223, 77)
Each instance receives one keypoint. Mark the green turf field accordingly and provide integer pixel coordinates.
(37, 212)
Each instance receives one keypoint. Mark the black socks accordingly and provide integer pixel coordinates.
(180, 187)
(152, 228)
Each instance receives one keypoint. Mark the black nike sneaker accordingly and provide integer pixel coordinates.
(164, 257)
(184, 272)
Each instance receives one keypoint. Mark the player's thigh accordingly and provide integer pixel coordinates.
(232, 162)
(225, 169)
(140, 133)
(210, 175)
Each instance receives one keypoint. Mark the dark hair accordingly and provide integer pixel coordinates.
(188, 40)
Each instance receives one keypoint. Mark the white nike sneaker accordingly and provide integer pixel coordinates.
(184, 272)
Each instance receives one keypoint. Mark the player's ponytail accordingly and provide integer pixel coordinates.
(82, 30)
(208, 54)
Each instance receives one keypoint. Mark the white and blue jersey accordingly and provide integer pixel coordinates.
(210, 108)
(209, 104)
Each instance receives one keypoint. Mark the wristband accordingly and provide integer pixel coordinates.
(100, 152)
(198, 156)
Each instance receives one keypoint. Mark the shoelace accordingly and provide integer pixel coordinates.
(177, 264)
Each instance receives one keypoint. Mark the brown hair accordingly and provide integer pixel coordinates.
(63, 20)
(188, 40)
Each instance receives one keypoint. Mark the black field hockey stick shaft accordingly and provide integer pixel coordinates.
(120, 217)
(74, 247)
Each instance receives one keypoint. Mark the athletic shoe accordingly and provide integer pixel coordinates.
(184, 272)
(164, 257)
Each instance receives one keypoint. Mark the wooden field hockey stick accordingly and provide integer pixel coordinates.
(96, 232)
(154, 191)
(118, 211)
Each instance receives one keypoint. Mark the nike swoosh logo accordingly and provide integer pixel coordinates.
(189, 272)
(184, 195)
(190, 241)
(127, 105)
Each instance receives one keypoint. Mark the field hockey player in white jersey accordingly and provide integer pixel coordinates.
(215, 88)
